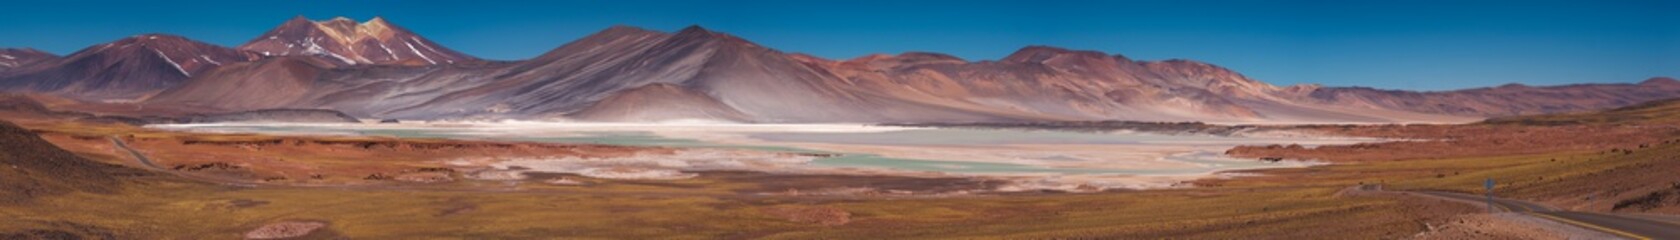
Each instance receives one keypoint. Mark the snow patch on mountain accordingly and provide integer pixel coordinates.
(352, 43)
(171, 61)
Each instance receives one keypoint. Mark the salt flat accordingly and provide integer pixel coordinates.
(1034, 159)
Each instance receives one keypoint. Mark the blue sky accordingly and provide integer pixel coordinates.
(1419, 45)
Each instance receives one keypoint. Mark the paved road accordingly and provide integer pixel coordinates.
(1505, 205)
(1633, 227)
(137, 156)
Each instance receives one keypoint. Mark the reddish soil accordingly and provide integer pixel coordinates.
(1633, 154)
(826, 216)
(1474, 140)
(31, 167)
(315, 160)
(283, 230)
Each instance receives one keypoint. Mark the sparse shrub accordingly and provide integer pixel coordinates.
(1644, 203)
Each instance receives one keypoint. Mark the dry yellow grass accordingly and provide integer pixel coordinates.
(1283, 204)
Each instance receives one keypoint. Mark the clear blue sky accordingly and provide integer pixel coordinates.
(1420, 45)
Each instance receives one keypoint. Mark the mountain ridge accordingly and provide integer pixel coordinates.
(17, 57)
(734, 79)
(126, 69)
(765, 85)
(375, 41)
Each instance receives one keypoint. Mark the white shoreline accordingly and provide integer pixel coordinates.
(1156, 154)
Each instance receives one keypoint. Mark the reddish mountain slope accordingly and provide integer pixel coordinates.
(1053, 83)
(659, 102)
(763, 84)
(347, 42)
(17, 57)
(1657, 112)
(269, 83)
(541, 81)
(123, 70)
(1507, 100)
(626, 73)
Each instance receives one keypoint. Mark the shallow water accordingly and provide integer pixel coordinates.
(981, 137)
(799, 138)
(1209, 163)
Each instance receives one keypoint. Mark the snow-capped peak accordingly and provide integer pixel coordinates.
(375, 41)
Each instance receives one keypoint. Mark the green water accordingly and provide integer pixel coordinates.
(876, 161)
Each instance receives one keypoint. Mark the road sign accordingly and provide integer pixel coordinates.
(1489, 185)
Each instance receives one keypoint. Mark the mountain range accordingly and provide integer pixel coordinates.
(376, 69)
(352, 43)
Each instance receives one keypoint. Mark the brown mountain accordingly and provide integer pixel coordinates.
(1507, 100)
(630, 74)
(1665, 111)
(1060, 84)
(122, 70)
(313, 83)
(1036, 81)
(658, 102)
(347, 42)
(17, 57)
(762, 84)
(269, 83)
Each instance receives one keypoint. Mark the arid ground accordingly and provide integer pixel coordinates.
(134, 182)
